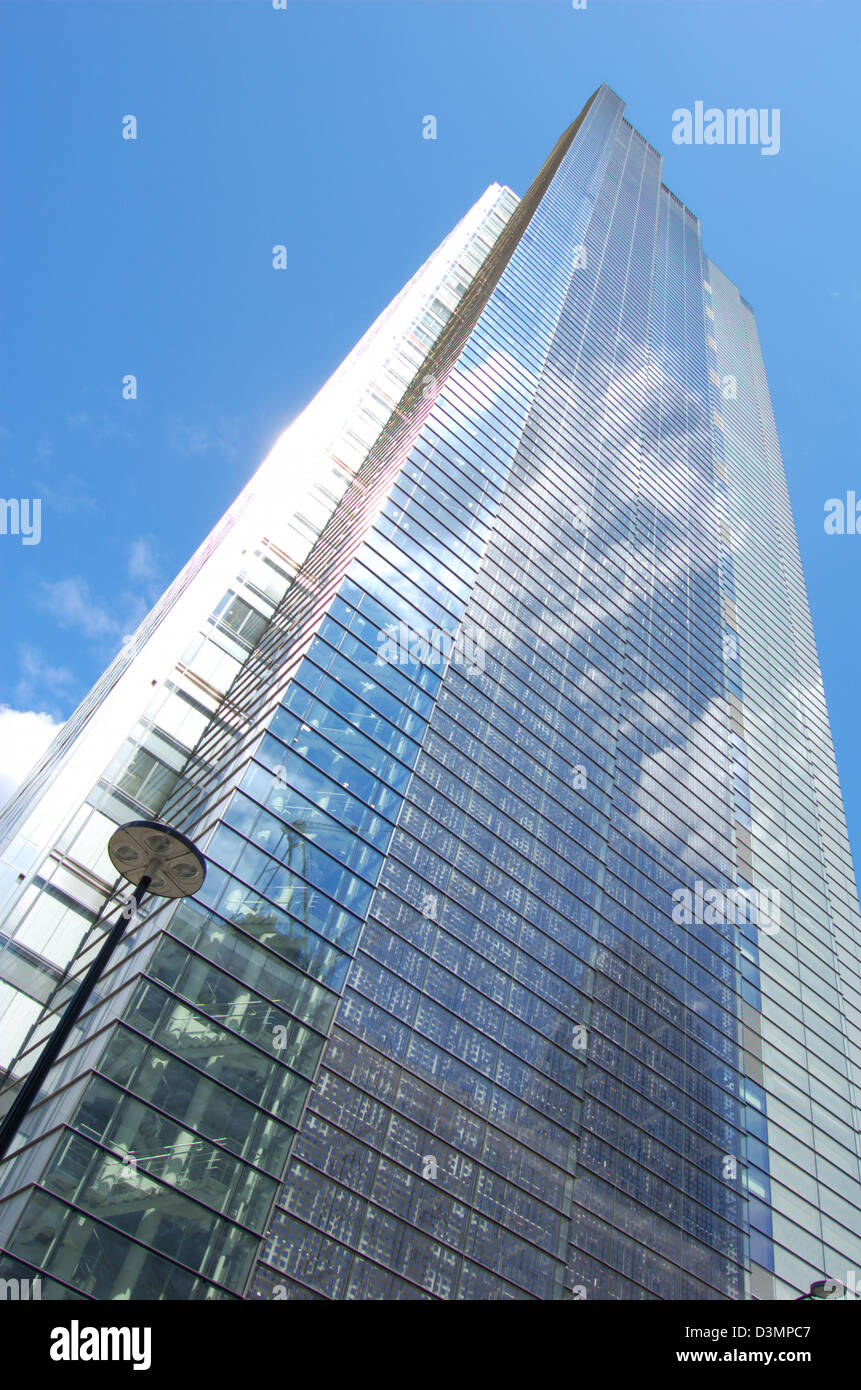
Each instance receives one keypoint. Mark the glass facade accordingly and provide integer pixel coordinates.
(527, 962)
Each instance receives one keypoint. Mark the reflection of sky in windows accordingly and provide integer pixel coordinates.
(602, 651)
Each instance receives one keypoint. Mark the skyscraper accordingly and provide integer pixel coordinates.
(527, 962)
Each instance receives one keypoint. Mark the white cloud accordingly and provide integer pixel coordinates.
(143, 565)
(94, 424)
(44, 449)
(24, 736)
(39, 680)
(222, 436)
(69, 495)
(72, 604)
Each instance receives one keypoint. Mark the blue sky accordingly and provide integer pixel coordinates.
(303, 127)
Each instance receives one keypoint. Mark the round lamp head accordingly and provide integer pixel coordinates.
(143, 848)
(826, 1288)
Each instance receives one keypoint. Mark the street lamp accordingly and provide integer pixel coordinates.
(823, 1288)
(155, 859)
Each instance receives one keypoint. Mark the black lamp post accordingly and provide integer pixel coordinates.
(155, 859)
